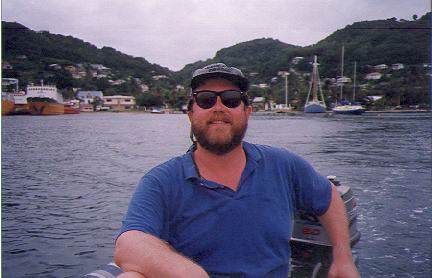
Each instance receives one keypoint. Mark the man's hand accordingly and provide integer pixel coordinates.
(343, 270)
(335, 222)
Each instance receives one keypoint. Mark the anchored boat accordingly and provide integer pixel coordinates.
(9, 87)
(72, 106)
(316, 104)
(346, 107)
(44, 100)
(8, 104)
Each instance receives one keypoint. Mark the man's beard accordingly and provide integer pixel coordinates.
(219, 147)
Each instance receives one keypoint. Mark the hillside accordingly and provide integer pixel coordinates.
(259, 56)
(70, 63)
(368, 42)
(30, 53)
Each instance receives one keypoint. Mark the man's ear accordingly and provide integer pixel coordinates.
(249, 110)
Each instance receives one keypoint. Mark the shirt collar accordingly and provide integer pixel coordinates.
(191, 173)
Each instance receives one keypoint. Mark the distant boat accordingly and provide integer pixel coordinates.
(8, 104)
(72, 107)
(346, 107)
(9, 87)
(315, 105)
(44, 100)
(156, 111)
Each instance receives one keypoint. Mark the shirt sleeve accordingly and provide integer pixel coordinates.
(312, 190)
(146, 208)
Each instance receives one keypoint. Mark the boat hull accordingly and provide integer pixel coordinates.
(349, 110)
(7, 107)
(314, 108)
(45, 108)
(71, 110)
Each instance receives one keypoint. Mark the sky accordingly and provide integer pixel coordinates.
(173, 33)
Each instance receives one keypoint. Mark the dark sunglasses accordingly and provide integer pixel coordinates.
(230, 98)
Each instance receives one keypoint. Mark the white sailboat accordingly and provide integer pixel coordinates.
(315, 105)
(346, 107)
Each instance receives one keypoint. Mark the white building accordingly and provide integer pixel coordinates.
(374, 76)
(87, 97)
(296, 60)
(397, 66)
(119, 103)
(380, 67)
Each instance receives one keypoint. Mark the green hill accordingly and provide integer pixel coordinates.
(368, 42)
(31, 53)
(70, 63)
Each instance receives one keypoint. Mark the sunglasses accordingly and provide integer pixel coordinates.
(230, 98)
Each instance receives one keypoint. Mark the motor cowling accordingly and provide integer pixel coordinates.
(310, 245)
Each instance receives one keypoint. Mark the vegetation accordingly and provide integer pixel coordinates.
(72, 64)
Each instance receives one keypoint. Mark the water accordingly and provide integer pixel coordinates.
(66, 182)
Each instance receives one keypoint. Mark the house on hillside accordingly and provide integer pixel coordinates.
(397, 66)
(159, 77)
(297, 60)
(99, 71)
(343, 80)
(119, 103)
(6, 65)
(261, 85)
(380, 67)
(259, 104)
(77, 71)
(87, 99)
(374, 76)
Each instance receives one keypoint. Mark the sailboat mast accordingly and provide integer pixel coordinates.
(315, 80)
(354, 84)
(286, 90)
(342, 71)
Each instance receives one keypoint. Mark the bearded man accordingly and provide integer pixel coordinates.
(225, 208)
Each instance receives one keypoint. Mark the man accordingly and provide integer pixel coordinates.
(225, 208)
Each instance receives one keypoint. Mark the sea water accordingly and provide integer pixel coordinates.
(67, 180)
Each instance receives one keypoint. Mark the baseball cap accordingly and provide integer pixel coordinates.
(219, 70)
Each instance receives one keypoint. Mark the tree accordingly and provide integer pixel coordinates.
(149, 100)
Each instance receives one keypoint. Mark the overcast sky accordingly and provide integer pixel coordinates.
(173, 33)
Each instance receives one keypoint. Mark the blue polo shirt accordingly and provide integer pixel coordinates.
(230, 234)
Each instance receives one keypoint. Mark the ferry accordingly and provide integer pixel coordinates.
(44, 100)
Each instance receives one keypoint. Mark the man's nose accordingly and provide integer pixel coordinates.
(219, 105)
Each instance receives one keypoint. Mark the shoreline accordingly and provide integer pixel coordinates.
(298, 113)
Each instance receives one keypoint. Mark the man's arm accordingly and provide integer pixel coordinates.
(335, 222)
(143, 255)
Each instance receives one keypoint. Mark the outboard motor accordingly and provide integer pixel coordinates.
(310, 246)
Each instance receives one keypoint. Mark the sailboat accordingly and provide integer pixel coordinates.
(315, 105)
(346, 107)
